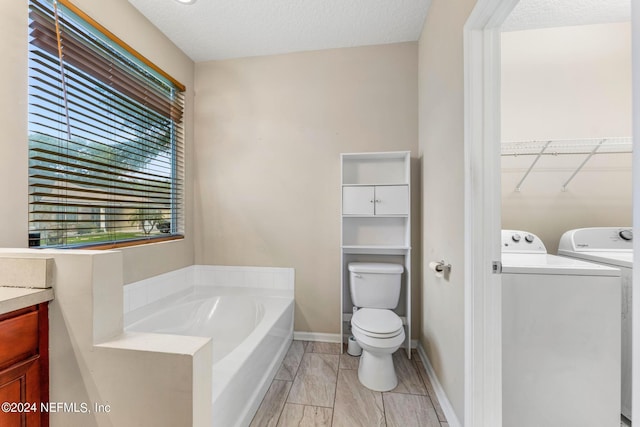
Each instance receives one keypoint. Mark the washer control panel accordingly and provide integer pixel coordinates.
(517, 241)
(598, 239)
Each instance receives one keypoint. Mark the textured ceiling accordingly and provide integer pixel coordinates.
(529, 14)
(219, 29)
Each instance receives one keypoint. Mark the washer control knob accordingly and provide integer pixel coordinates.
(515, 238)
(626, 234)
(529, 238)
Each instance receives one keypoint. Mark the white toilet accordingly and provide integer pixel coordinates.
(375, 291)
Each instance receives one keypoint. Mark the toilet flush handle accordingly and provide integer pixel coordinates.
(357, 275)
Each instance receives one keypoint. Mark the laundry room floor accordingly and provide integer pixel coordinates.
(318, 386)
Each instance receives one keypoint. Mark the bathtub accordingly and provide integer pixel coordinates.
(251, 328)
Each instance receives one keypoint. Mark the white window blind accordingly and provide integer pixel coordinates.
(105, 136)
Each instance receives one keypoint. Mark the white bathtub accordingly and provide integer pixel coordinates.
(250, 327)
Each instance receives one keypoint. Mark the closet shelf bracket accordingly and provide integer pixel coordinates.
(526, 174)
(584, 162)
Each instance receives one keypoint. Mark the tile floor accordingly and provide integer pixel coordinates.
(317, 386)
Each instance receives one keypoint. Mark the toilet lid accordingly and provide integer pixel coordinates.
(376, 320)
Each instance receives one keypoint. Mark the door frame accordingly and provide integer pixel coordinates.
(635, 83)
(483, 298)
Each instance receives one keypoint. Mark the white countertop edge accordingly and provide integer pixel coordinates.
(157, 343)
(12, 299)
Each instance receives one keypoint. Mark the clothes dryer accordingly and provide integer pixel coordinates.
(560, 338)
(610, 246)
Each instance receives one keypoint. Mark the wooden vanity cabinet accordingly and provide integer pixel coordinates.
(24, 366)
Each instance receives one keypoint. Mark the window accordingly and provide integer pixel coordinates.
(105, 136)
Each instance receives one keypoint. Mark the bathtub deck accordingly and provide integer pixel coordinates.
(317, 386)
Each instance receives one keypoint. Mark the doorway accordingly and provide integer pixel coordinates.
(483, 203)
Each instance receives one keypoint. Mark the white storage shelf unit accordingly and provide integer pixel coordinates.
(376, 227)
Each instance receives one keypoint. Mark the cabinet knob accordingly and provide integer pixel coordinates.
(371, 201)
(377, 200)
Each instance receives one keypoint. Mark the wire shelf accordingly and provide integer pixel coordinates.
(567, 146)
(588, 147)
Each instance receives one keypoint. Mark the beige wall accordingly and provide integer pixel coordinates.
(566, 83)
(123, 20)
(13, 113)
(269, 131)
(441, 122)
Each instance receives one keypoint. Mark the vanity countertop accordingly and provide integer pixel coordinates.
(16, 298)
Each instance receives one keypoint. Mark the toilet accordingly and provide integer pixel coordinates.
(375, 291)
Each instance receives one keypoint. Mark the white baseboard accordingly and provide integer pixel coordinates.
(316, 336)
(452, 419)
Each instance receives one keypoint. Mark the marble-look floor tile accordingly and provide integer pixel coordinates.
(349, 362)
(305, 416)
(324, 347)
(430, 391)
(291, 362)
(355, 404)
(409, 410)
(409, 380)
(315, 383)
(271, 406)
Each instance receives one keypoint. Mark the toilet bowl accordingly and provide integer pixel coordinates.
(379, 332)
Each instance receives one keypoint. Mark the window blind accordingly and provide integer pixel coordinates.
(106, 160)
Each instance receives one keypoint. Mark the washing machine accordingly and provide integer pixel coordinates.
(560, 338)
(611, 246)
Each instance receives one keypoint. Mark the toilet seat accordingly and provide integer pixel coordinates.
(377, 323)
(374, 335)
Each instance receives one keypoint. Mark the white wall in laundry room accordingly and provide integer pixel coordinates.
(559, 84)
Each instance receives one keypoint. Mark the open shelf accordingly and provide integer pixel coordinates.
(375, 250)
(375, 168)
(377, 216)
(376, 184)
(375, 231)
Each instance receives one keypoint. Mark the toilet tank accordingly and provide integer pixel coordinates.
(375, 285)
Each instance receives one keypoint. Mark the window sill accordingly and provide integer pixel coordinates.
(126, 244)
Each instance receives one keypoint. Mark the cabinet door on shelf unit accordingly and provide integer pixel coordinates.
(358, 200)
(392, 200)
